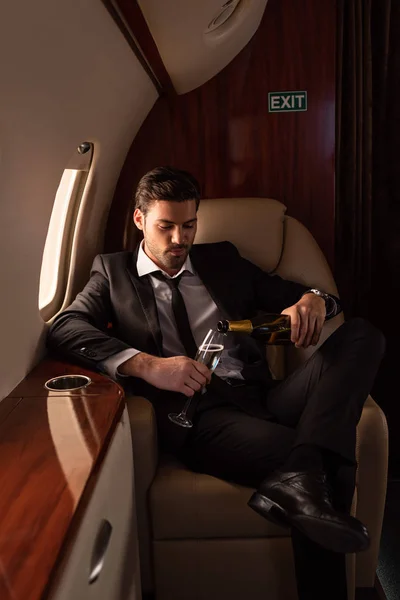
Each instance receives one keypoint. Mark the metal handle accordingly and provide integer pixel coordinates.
(99, 550)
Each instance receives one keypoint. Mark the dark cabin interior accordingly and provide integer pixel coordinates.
(336, 170)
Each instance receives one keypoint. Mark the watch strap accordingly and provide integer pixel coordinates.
(330, 302)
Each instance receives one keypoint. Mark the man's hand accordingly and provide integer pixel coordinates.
(307, 318)
(176, 374)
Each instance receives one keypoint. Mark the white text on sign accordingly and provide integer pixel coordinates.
(287, 101)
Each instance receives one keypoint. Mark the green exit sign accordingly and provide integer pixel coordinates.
(287, 101)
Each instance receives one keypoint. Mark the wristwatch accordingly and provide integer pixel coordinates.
(330, 304)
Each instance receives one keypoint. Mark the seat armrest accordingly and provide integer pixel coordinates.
(144, 438)
(372, 455)
(145, 461)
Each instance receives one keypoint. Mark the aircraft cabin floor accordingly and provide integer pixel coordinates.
(389, 555)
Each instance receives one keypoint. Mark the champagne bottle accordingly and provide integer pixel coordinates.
(268, 328)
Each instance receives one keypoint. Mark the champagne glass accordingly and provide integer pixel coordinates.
(208, 353)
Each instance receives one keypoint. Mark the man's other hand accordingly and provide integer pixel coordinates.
(307, 318)
(176, 374)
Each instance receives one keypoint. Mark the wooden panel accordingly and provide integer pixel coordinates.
(7, 406)
(51, 448)
(223, 133)
(33, 384)
(126, 32)
(137, 24)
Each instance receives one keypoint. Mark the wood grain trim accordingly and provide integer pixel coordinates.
(7, 406)
(131, 41)
(51, 451)
(141, 41)
(224, 135)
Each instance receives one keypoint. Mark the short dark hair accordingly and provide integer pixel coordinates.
(166, 183)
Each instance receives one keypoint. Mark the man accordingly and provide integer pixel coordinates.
(292, 440)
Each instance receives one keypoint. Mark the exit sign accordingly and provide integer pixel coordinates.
(287, 101)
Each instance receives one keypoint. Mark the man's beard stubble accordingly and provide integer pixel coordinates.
(166, 258)
(174, 262)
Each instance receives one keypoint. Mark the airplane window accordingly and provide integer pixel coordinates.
(57, 249)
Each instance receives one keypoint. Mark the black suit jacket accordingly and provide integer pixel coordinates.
(116, 295)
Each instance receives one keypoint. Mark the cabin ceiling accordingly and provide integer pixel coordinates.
(191, 51)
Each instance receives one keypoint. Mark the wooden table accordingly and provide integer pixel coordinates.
(52, 445)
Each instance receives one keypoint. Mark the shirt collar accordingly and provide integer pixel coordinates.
(146, 266)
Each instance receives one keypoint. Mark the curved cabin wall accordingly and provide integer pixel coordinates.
(223, 133)
(67, 76)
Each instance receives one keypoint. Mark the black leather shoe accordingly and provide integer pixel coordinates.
(302, 500)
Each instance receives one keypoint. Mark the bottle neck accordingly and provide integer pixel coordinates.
(245, 326)
(268, 328)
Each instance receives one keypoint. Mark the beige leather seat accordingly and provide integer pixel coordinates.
(198, 538)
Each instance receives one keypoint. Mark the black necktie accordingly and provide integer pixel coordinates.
(180, 314)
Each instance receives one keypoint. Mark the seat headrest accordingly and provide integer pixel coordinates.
(254, 225)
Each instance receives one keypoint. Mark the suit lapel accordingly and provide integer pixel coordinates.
(145, 294)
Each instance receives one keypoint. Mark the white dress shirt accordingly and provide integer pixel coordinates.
(202, 312)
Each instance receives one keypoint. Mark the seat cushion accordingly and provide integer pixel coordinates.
(184, 505)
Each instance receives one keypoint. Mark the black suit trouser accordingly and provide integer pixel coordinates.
(320, 403)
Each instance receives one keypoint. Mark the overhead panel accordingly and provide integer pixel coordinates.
(198, 38)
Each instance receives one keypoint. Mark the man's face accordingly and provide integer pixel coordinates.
(169, 229)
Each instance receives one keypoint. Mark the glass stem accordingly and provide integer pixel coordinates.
(185, 408)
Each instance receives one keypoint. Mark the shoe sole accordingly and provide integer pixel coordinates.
(327, 534)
